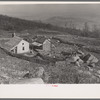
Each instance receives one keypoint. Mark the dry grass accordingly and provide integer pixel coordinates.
(12, 68)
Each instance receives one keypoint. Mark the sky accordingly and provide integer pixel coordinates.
(45, 11)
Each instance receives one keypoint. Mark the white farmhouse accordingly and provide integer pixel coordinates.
(17, 45)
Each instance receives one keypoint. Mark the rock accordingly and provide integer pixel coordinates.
(90, 59)
(98, 71)
(4, 76)
(61, 63)
(20, 73)
(76, 67)
(80, 52)
(80, 71)
(68, 60)
(87, 73)
(91, 69)
(46, 77)
(28, 81)
(4, 80)
(2, 58)
(93, 77)
(27, 75)
(75, 58)
(91, 65)
(98, 75)
(36, 73)
(39, 72)
(93, 59)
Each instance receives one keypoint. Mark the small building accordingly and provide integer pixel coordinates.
(17, 45)
(45, 43)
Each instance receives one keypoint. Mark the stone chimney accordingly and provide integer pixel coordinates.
(14, 34)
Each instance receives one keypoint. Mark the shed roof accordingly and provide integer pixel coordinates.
(40, 39)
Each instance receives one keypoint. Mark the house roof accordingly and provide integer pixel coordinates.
(40, 39)
(12, 42)
(27, 38)
(36, 44)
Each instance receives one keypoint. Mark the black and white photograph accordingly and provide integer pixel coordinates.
(50, 43)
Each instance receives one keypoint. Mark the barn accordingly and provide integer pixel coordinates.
(43, 43)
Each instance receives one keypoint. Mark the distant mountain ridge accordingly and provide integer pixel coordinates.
(16, 24)
(78, 22)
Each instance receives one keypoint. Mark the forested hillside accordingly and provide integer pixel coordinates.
(17, 25)
(11, 23)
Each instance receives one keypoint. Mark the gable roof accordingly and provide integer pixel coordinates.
(12, 42)
(47, 40)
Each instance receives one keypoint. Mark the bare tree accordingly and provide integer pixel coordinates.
(86, 27)
(71, 25)
(66, 24)
(95, 29)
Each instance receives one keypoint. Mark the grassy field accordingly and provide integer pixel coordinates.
(80, 40)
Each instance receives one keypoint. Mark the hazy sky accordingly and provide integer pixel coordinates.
(44, 11)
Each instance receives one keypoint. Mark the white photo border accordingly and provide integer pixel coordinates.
(71, 91)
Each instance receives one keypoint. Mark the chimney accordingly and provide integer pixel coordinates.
(13, 35)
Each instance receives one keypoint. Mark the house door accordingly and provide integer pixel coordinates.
(15, 49)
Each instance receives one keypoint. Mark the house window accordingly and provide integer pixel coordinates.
(22, 43)
(23, 48)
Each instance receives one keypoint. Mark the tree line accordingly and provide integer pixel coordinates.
(15, 24)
